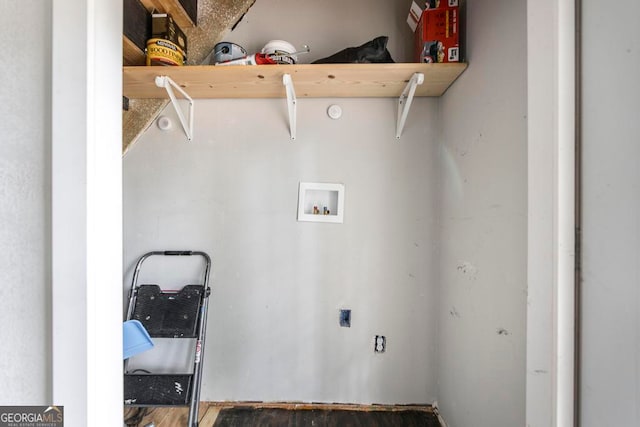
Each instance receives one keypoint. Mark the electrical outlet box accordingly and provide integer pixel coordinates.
(345, 318)
(380, 344)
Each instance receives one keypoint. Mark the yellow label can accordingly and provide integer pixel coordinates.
(164, 52)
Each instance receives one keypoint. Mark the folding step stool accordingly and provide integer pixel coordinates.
(169, 314)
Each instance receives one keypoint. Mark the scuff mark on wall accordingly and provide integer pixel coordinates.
(465, 150)
(454, 312)
(502, 331)
(468, 269)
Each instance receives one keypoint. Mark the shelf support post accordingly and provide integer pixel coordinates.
(404, 102)
(168, 84)
(291, 103)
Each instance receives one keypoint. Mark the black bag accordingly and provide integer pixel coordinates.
(373, 51)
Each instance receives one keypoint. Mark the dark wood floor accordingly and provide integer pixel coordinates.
(214, 414)
(272, 417)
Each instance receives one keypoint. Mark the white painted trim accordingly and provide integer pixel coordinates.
(550, 398)
(87, 211)
(565, 413)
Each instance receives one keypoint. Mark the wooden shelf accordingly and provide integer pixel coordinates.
(131, 54)
(310, 80)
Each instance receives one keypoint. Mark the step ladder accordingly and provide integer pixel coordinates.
(177, 314)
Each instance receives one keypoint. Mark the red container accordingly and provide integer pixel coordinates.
(437, 37)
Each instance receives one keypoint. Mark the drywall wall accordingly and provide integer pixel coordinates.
(278, 284)
(24, 204)
(326, 27)
(611, 216)
(483, 200)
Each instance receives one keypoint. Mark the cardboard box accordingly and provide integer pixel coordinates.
(437, 37)
(415, 12)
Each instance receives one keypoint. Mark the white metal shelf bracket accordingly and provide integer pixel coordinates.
(404, 102)
(168, 84)
(291, 103)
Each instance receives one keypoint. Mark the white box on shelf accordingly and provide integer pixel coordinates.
(321, 202)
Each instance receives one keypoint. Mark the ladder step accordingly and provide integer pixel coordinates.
(160, 389)
(168, 314)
